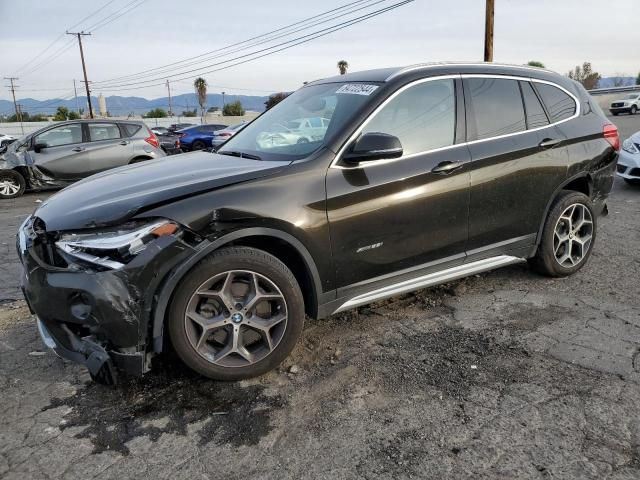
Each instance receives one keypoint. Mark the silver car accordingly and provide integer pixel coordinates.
(62, 153)
(629, 160)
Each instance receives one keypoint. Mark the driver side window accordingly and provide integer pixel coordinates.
(422, 117)
(62, 135)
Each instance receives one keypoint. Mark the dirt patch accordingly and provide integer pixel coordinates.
(169, 400)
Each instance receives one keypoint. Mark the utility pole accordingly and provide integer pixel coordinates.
(75, 94)
(169, 92)
(223, 101)
(488, 31)
(15, 104)
(84, 68)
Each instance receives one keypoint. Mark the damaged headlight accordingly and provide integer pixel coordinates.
(114, 248)
(629, 146)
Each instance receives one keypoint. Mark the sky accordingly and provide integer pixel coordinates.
(154, 33)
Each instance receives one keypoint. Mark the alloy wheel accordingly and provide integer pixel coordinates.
(236, 318)
(572, 235)
(9, 186)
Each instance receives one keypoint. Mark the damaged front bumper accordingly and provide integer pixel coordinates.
(99, 318)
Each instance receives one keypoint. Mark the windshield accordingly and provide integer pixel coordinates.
(299, 124)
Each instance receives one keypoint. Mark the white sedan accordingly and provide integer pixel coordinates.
(629, 160)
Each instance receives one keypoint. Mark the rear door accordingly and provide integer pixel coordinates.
(64, 154)
(518, 160)
(107, 147)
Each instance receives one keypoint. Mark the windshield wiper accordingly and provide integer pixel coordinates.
(235, 153)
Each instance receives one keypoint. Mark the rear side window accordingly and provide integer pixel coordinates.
(130, 129)
(559, 105)
(495, 107)
(536, 117)
(103, 131)
(423, 117)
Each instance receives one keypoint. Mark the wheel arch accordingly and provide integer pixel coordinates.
(282, 245)
(582, 182)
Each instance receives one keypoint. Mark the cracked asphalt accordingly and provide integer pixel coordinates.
(501, 375)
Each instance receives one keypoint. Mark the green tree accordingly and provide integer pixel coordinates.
(585, 75)
(62, 113)
(156, 113)
(343, 65)
(200, 84)
(638, 79)
(535, 63)
(233, 109)
(275, 99)
(190, 113)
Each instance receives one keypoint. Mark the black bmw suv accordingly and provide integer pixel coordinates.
(353, 189)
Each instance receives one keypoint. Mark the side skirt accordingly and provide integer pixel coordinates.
(430, 279)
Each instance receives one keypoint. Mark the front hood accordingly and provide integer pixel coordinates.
(114, 196)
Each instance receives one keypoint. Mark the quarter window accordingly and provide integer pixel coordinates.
(63, 135)
(422, 117)
(495, 107)
(103, 131)
(559, 105)
(536, 117)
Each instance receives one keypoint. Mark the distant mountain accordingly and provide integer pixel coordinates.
(608, 82)
(120, 106)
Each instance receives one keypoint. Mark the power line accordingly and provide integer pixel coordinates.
(59, 37)
(286, 27)
(265, 51)
(102, 23)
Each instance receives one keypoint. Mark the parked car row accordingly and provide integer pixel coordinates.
(415, 176)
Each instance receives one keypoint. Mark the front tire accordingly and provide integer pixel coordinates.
(633, 110)
(237, 314)
(12, 184)
(568, 236)
(198, 145)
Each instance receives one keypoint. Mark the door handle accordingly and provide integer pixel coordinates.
(550, 143)
(446, 167)
(78, 149)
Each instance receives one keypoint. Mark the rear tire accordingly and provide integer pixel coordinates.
(568, 236)
(198, 145)
(237, 314)
(12, 184)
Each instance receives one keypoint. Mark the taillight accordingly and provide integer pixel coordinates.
(177, 144)
(611, 135)
(152, 139)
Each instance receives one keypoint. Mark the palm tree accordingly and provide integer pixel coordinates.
(342, 66)
(200, 84)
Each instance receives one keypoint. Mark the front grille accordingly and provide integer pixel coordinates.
(615, 105)
(621, 168)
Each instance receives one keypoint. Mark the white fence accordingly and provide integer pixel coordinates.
(13, 128)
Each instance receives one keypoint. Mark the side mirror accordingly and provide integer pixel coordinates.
(373, 146)
(39, 146)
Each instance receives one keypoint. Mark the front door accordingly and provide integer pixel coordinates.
(390, 216)
(62, 152)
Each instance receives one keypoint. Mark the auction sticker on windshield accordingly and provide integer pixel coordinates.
(357, 89)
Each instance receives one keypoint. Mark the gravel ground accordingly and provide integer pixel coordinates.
(501, 375)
